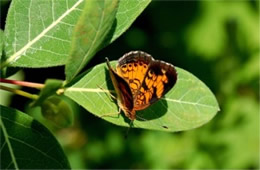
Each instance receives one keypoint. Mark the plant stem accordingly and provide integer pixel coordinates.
(19, 92)
(23, 83)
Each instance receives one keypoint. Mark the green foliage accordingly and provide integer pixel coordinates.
(98, 28)
(188, 105)
(39, 33)
(26, 144)
(217, 41)
(50, 88)
(128, 11)
(92, 28)
(57, 109)
(1, 43)
(218, 16)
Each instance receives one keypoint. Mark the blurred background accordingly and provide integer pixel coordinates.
(217, 41)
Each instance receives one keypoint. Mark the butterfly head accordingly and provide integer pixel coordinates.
(131, 114)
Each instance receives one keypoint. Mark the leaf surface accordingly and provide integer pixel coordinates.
(50, 88)
(189, 104)
(128, 11)
(1, 43)
(26, 144)
(39, 32)
(94, 24)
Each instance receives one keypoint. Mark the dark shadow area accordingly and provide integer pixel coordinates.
(4, 6)
(78, 77)
(155, 111)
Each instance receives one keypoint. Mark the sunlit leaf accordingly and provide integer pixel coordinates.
(188, 105)
(1, 43)
(8, 71)
(26, 144)
(92, 28)
(39, 32)
(128, 11)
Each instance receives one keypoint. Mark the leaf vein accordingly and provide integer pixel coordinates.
(6, 136)
(190, 103)
(17, 54)
(36, 149)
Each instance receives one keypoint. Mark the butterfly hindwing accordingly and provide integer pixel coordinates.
(159, 79)
(123, 91)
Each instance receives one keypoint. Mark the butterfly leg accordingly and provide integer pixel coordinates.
(107, 92)
(112, 114)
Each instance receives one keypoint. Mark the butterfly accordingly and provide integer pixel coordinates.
(139, 81)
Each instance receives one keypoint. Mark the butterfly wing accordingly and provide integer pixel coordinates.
(159, 79)
(148, 79)
(132, 67)
(123, 91)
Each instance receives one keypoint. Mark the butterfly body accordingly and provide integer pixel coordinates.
(140, 81)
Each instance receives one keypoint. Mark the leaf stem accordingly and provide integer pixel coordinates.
(22, 83)
(19, 92)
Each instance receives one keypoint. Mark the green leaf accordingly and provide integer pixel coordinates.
(26, 144)
(50, 88)
(53, 107)
(8, 71)
(128, 11)
(94, 24)
(38, 33)
(1, 43)
(188, 105)
(58, 110)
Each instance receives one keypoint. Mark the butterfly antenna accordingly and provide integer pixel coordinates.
(108, 63)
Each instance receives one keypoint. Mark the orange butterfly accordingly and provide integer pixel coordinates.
(140, 81)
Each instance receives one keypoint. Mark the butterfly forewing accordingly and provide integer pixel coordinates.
(159, 79)
(133, 67)
(123, 91)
